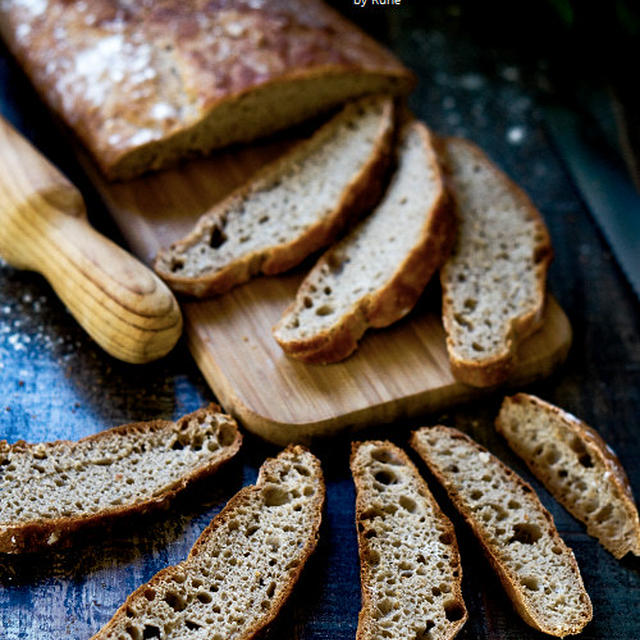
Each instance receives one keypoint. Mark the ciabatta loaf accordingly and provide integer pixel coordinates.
(409, 562)
(49, 490)
(493, 285)
(577, 467)
(293, 207)
(535, 566)
(144, 84)
(241, 569)
(375, 274)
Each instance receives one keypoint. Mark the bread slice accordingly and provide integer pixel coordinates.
(50, 490)
(374, 275)
(292, 208)
(144, 85)
(241, 569)
(493, 285)
(409, 562)
(575, 464)
(535, 566)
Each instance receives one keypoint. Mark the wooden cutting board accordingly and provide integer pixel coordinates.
(397, 372)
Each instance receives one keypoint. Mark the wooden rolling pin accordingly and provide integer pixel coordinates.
(119, 301)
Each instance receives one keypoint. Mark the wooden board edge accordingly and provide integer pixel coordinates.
(424, 403)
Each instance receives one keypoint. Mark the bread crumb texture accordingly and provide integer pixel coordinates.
(494, 281)
(577, 467)
(50, 488)
(410, 565)
(243, 566)
(302, 191)
(537, 569)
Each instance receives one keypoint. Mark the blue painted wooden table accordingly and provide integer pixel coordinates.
(55, 383)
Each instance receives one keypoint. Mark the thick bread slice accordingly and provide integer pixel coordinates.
(241, 569)
(493, 285)
(374, 275)
(577, 467)
(409, 562)
(535, 566)
(144, 84)
(50, 490)
(292, 208)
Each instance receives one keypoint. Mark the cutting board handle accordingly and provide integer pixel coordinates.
(119, 301)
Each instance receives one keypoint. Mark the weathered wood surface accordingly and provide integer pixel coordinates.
(56, 383)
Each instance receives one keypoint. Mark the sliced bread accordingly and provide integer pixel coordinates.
(409, 562)
(493, 285)
(241, 569)
(50, 490)
(575, 464)
(518, 535)
(295, 206)
(375, 274)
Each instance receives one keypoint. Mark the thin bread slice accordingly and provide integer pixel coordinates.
(51, 490)
(409, 562)
(518, 535)
(295, 206)
(243, 566)
(493, 285)
(575, 464)
(374, 275)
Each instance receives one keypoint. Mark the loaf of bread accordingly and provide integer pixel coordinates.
(144, 84)
(518, 535)
(575, 464)
(493, 285)
(295, 206)
(241, 569)
(409, 562)
(375, 274)
(50, 490)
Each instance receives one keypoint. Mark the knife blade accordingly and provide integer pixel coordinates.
(603, 183)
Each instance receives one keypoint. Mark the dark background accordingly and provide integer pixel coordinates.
(485, 71)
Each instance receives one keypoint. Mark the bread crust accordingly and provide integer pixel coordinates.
(365, 618)
(144, 85)
(509, 581)
(58, 532)
(599, 450)
(238, 500)
(389, 303)
(362, 192)
(497, 368)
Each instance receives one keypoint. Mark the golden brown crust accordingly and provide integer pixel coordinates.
(497, 368)
(362, 192)
(399, 294)
(144, 83)
(32, 536)
(364, 548)
(507, 578)
(228, 512)
(598, 450)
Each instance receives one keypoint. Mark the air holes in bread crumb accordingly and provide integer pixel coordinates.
(308, 302)
(149, 594)
(604, 513)
(191, 625)
(275, 496)
(133, 632)
(476, 494)
(204, 597)
(218, 237)
(226, 435)
(453, 610)
(175, 601)
(385, 606)
(530, 583)
(324, 310)
(446, 538)
(513, 504)
(386, 477)
(387, 457)
(303, 471)
(271, 589)
(525, 533)
(408, 503)
(150, 631)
